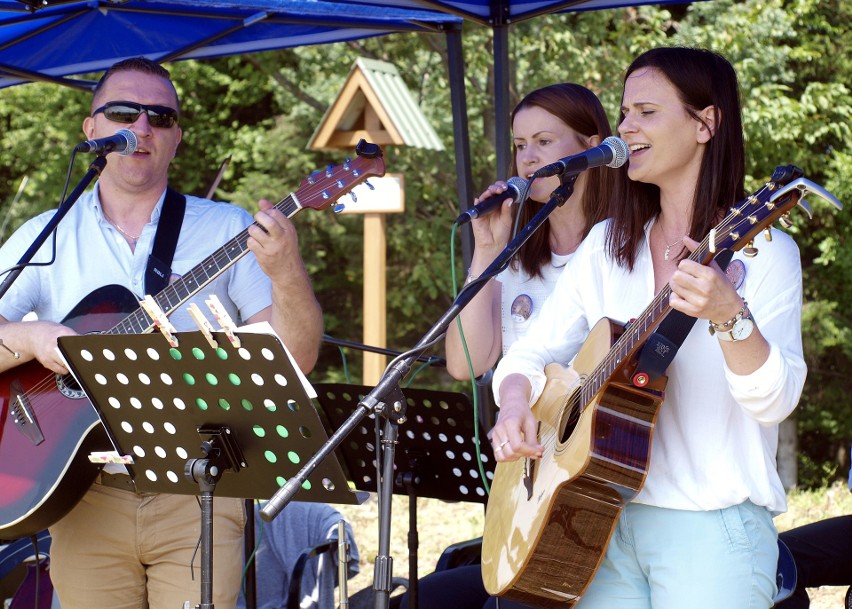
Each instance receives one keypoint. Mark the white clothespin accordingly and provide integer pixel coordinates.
(110, 456)
(224, 320)
(202, 323)
(159, 318)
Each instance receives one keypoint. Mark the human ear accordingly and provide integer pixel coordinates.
(709, 120)
(88, 127)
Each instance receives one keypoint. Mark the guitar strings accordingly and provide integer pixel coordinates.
(659, 303)
(287, 205)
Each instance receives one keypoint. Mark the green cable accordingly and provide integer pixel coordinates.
(345, 365)
(469, 363)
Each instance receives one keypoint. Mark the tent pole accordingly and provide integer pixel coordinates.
(464, 177)
(501, 101)
(461, 134)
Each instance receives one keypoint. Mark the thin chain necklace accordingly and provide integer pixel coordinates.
(135, 239)
(669, 246)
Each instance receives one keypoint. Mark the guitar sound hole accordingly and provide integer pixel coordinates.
(570, 417)
(69, 387)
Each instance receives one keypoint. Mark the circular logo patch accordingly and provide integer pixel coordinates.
(736, 273)
(522, 308)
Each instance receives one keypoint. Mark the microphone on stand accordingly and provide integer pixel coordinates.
(122, 141)
(517, 191)
(612, 152)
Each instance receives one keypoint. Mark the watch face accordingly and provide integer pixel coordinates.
(742, 329)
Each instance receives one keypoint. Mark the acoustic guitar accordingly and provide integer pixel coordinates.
(548, 521)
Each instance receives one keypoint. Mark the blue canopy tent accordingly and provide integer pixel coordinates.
(49, 40)
(65, 38)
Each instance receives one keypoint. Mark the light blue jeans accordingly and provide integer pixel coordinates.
(675, 559)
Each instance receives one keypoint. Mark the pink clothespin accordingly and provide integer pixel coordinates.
(159, 318)
(224, 320)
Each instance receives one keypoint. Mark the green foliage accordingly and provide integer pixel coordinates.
(792, 58)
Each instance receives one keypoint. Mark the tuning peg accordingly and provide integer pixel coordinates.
(354, 196)
(767, 233)
(749, 250)
(370, 186)
(328, 171)
(785, 220)
(338, 208)
(346, 164)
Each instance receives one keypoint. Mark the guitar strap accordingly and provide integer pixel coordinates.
(159, 267)
(660, 349)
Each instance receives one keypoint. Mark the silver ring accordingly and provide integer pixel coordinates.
(501, 446)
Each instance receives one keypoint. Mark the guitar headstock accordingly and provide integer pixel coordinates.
(322, 188)
(786, 189)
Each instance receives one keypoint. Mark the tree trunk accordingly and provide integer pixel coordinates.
(788, 467)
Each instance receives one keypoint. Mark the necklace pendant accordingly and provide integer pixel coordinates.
(666, 255)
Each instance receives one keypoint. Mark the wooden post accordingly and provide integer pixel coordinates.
(375, 295)
(375, 104)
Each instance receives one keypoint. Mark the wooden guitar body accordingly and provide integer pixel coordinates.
(549, 521)
(49, 429)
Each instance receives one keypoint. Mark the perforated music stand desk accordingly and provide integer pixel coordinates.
(160, 403)
(437, 439)
(435, 457)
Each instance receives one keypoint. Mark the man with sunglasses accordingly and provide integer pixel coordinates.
(118, 548)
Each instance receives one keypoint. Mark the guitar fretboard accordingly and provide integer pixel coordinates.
(727, 235)
(175, 294)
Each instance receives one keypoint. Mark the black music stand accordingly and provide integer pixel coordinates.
(438, 439)
(188, 414)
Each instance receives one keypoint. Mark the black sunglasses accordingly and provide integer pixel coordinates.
(127, 112)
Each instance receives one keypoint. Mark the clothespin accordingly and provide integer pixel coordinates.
(202, 323)
(225, 321)
(110, 456)
(159, 318)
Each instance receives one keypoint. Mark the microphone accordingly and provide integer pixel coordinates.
(517, 191)
(612, 152)
(122, 141)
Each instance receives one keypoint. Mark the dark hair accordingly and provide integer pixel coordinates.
(702, 78)
(133, 64)
(581, 110)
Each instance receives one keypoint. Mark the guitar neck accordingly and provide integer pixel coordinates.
(635, 335)
(177, 293)
(638, 330)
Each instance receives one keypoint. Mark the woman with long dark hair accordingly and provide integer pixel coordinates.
(699, 534)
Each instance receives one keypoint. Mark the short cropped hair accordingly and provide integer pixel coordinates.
(133, 64)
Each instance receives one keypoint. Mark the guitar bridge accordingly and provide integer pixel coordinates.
(23, 415)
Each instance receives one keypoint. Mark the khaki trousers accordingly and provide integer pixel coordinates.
(122, 550)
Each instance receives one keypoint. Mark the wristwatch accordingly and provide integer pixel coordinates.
(741, 330)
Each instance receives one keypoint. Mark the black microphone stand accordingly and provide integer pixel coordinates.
(387, 400)
(95, 169)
